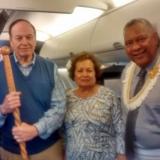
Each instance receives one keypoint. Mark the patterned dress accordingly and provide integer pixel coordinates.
(94, 129)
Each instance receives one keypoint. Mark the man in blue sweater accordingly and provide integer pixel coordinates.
(39, 97)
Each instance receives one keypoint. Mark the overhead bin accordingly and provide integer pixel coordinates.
(73, 41)
(100, 34)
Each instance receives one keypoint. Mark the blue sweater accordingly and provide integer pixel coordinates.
(35, 100)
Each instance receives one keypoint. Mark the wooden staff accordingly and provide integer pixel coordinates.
(11, 87)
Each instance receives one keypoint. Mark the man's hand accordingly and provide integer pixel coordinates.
(10, 103)
(24, 132)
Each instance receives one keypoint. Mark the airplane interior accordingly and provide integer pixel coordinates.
(63, 29)
(101, 33)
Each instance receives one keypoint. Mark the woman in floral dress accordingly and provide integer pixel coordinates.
(94, 128)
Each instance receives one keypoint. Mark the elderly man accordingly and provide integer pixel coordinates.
(39, 97)
(141, 88)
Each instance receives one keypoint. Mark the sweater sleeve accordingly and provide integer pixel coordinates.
(53, 117)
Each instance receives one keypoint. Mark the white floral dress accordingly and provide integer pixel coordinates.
(94, 129)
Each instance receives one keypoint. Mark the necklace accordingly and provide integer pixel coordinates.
(133, 102)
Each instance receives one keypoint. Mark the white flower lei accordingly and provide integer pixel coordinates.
(134, 102)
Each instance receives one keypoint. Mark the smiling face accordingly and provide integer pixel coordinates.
(85, 75)
(23, 40)
(141, 44)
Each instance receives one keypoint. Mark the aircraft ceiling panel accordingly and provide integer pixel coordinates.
(59, 6)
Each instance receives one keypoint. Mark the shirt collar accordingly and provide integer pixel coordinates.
(31, 63)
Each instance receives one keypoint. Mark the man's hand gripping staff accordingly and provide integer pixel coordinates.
(5, 51)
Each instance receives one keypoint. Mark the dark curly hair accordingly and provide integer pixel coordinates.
(81, 57)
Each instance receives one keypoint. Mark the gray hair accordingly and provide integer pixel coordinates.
(144, 22)
(139, 20)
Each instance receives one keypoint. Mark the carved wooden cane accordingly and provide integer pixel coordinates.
(11, 87)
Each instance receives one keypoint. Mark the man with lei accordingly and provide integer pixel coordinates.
(143, 106)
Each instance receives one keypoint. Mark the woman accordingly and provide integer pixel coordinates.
(94, 128)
